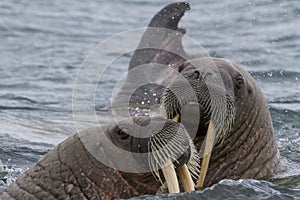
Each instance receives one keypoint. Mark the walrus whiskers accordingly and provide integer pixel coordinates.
(166, 147)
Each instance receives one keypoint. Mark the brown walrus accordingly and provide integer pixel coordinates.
(78, 168)
(224, 101)
(243, 143)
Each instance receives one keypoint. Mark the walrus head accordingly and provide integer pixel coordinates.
(162, 147)
(204, 90)
(203, 99)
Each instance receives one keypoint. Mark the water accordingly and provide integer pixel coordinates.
(43, 44)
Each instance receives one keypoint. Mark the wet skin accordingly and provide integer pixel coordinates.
(70, 171)
(246, 149)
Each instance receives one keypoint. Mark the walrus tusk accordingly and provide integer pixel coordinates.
(185, 178)
(171, 178)
(209, 142)
(176, 118)
(183, 172)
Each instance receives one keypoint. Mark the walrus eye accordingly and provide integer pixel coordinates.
(239, 81)
(123, 133)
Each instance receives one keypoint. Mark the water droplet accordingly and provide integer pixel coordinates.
(143, 102)
(281, 73)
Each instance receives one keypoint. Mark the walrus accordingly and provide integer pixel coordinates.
(242, 143)
(246, 134)
(71, 171)
(239, 134)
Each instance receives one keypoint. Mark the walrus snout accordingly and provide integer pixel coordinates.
(202, 93)
(202, 98)
(164, 145)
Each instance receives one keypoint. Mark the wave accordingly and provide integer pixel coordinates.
(231, 189)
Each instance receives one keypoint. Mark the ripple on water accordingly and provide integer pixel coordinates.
(230, 189)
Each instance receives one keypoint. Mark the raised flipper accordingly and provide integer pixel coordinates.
(161, 52)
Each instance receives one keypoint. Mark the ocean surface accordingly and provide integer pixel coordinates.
(44, 43)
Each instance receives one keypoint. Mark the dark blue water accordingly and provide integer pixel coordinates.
(43, 43)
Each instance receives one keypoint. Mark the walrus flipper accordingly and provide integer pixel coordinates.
(161, 52)
(157, 44)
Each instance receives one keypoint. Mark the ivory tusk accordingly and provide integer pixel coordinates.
(209, 142)
(171, 178)
(185, 178)
(176, 118)
(183, 171)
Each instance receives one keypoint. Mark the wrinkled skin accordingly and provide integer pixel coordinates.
(248, 149)
(70, 171)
